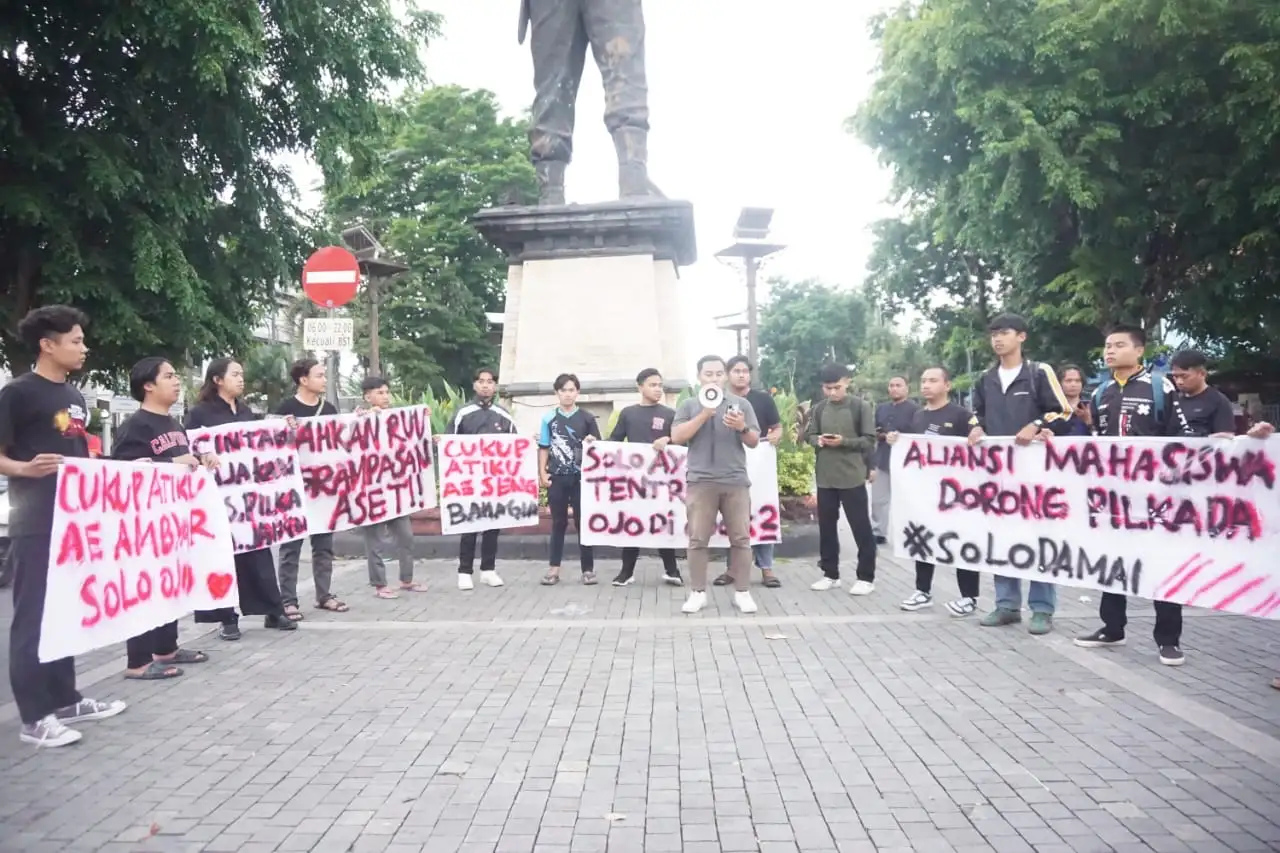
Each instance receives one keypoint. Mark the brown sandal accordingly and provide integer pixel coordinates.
(293, 613)
(551, 579)
(333, 605)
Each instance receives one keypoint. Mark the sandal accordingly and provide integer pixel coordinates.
(413, 587)
(186, 656)
(292, 611)
(589, 578)
(551, 579)
(155, 671)
(771, 580)
(333, 605)
(383, 592)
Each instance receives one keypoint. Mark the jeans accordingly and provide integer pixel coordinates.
(881, 497)
(375, 537)
(321, 568)
(763, 556)
(966, 579)
(39, 689)
(563, 493)
(704, 501)
(854, 502)
(488, 551)
(1041, 597)
(1113, 610)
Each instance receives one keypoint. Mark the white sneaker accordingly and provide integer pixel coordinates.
(465, 582)
(48, 732)
(918, 601)
(825, 583)
(744, 602)
(491, 579)
(695, 602)
(962, 607)
(862, 588)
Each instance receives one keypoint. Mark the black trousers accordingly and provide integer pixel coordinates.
(488, 551)
(967, 579)
(560, 33)
(39, 689)
(1114, 612)
(668, 556)
(565, 493)
(258, 589)
(158, 641)
(854, 502)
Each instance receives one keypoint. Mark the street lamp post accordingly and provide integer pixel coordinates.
(751, 246)
(373, 268)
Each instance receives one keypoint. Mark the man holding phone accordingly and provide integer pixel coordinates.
(842, 428)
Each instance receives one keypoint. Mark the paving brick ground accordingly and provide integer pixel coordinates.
(595, 719)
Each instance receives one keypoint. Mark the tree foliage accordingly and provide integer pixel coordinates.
(441, 155)
(141, 145)
(1105, 160)
(805, 325)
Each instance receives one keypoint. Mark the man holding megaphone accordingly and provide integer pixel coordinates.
(717, 427)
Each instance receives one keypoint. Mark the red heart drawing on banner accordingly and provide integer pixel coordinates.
(219, 585)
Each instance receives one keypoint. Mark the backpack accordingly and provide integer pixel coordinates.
(1157, 394)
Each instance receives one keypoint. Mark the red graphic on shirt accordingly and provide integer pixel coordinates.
(70, 422)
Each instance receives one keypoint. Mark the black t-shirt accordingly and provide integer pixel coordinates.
(562, 437)
(215, 412)
(766, 410)
(1208, 412)
(949, 420)
(147, 435)
(643, 424)
(39, 416)
(297, 408)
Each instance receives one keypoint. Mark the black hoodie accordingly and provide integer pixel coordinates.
(482, 417)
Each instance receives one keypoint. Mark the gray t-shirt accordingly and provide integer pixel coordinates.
(716, 452)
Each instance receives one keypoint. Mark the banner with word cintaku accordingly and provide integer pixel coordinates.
(134, 545)
(260, 481)
(1193, 521)
(487, 482)
(634, 496)
(366, 468)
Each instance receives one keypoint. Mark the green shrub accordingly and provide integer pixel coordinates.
(443, 407)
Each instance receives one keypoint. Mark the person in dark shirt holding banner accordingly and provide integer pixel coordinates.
(1022, 399)
(42, 422)
(481, 416)
(647, 422)
(1207, 410)
(219, 403)
(940, 417)
(311, 382)
(1136, 402)
(892, 416)
(152, 435)
(564, 431)
(771, 431)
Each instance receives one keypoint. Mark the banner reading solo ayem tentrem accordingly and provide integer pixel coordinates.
(1188, 520)
(634, 496)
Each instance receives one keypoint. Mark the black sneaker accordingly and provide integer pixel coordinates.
(1099, 639)
(1172, 656)
(624, 579)
(230, 630)
(673, 580)
(280, 622)
(724, 580)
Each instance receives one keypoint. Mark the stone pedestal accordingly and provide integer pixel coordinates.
(592, 289)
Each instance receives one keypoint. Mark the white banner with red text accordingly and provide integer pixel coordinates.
(134, 546)
(1193, 521)
(487, 482)
(634, 496)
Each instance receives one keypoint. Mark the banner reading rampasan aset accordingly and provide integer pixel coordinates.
(634, 496)
(1194, 521)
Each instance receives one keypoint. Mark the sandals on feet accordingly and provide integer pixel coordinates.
(771, 580)
(413, 587)
(589, 578)
(333, 605)
(155, 671)
(292, 611)
(551, 579)
(187, 656)
(386, 592)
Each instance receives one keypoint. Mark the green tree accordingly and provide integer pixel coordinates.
(266, 374)
(805, 325)
(140, 170)
(441, 155)
(887, 354)
(1116, 156)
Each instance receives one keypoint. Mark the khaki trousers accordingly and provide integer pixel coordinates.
(704, 501)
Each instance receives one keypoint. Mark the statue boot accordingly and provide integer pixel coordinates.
(550, 182)
(632, 145)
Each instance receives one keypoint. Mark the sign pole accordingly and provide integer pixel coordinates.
(331, 370)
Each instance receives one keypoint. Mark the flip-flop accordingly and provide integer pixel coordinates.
(155, 671)
(383, 592)
(186, 656)
(551, 580)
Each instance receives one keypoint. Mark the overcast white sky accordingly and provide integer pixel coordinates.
(747, 100)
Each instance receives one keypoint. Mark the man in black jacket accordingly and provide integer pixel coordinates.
(1022, 399)
(1136, 402)
(481, 416)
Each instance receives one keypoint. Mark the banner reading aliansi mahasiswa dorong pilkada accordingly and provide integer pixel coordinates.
(1189, 520)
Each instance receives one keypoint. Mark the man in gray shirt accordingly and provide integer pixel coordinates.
(717, 482)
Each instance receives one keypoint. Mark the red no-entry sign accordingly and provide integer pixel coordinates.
(331, 277)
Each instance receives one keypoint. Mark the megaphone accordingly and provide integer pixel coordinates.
(710, 396)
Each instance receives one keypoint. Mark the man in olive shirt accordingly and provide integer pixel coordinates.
(842, 428)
